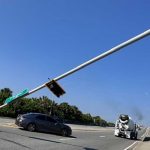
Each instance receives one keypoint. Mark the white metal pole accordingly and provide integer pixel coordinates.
(3, 105)
(114, 49)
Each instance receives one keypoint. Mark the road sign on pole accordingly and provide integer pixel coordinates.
(19, 95)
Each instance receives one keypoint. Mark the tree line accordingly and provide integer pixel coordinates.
(63, 111)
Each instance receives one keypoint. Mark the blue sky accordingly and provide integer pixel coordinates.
(44, 39)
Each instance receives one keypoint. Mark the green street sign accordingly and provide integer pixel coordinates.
(10, 99)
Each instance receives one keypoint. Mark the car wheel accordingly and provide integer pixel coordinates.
(64, 132)
(31, 127)
(132, 135)
(135, 137)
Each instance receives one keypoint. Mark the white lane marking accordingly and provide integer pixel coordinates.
(146, 132)
(130, 145)
(63, 139)
(142, 135)
(102, 136)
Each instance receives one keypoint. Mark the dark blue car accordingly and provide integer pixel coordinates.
(42, 122)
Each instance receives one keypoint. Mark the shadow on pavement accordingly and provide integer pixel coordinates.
(43, 139)
(86, 148)
(16, 143)
(47, 133)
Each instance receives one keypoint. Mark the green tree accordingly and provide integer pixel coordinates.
(69, 113)
(97, 120)
(103, 123)
(76, 113)
(111, 124)
(65, 109)
(45, 105)
(53, 108)
(87, 119)
(4, 94)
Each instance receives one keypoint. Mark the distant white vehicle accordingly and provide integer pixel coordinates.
(125, 127)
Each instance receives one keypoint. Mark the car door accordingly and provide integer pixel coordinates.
(41, 123)
(53, 126)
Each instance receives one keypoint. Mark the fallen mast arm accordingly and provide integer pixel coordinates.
(109, 52)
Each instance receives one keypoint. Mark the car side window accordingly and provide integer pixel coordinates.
(41, 117)
(51, 119)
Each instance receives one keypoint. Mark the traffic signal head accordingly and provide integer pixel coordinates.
(55, 88)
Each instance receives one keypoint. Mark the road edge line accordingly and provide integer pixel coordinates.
(131, 145)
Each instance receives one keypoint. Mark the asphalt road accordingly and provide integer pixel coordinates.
(83, 138)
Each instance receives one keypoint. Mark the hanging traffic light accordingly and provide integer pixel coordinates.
(55, 88)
